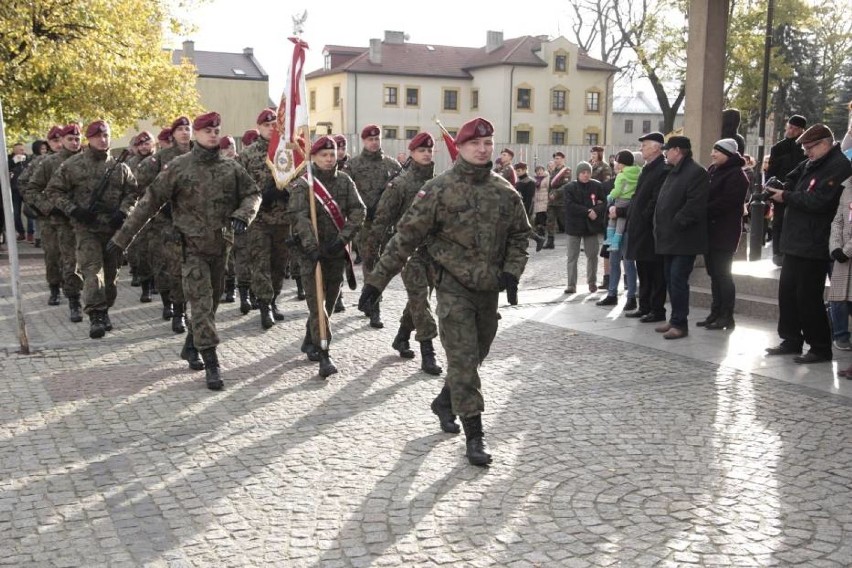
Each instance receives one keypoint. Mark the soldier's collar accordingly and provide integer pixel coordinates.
(377, 155)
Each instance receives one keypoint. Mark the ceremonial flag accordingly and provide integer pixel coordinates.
(448, 140)
(287, 153)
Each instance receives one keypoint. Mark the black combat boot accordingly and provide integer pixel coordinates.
(96, 324)
(179, 317)
(475, 453)
(401, 344)
(300, 290)
(539, 242)
(549, 244)
(168, 313)
(427, 353)
(154, 289)
(309, 349)
(376, 317)
(276, 313)
(253, 300)
(442, 407)
(134, 280)
(245, 306)
(107, 321)
(146, 292)
(230, 286)
(266, 320)
(53, 300)
(326, 365)
(190, 354)
(338, 306)
(74, 309)
(211, 366)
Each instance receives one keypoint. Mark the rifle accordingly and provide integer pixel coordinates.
(94, 204)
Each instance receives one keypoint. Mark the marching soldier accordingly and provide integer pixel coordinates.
(211, 199)
(342, 164)
(418, 274)
(556, 197)
(475, 228)
(141, 255)
(340, 213)
(371, 170)
(506, 167)
(97, 192)
(228, 150)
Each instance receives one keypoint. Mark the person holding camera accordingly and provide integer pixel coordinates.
(783, 157)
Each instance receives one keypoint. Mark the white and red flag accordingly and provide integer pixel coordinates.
(287, 153)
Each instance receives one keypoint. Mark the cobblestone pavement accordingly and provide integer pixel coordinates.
(607, 453)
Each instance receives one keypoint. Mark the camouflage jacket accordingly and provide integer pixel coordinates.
(371, 172)
(205, 191)
(77, 179)
(343, 190)
(509, 174)
(253, 159)
(601, 172)
(24, 178)
(397, 198)
(133, 162)
(43, 170)
(556, 195)
(150, 167)
(474, 225)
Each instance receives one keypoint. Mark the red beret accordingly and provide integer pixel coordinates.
(340, 140)
(370, 130)
(520, 166)
(266, 115)
(226, 142)
(72, 128)
(249, 136)
(54, 132)
(179, 121)
(422, 140)
(97, 127)
(476, 128)
(210, 119)
(142, 137)
(165, 134)
(323, 143)
(508, 151)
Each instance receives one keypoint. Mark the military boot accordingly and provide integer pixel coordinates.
(339, 306)
(276, 313)
(266, 320)
(475, 453)
(230, 286)
(168, 313)
(300, 290)
(179, 317)
(53, 300)
(74, 309)
(146, 292)
(154, 290)
(211, 366)
(245, 306)
(309, 349)
(549, 244)
(107, 321)
(253, 300)
(134, 280)
(401, 344)
(326, 365)
(376, 317)
(442, 407)
(427, 353)
(539, 241)
(190, 354)
(96, 324)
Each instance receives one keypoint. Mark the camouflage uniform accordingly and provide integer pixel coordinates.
(73, 186)
(142, 253)
(556, 203)
(205, 191)
(601, 171)
(345, 194)
(475, 227)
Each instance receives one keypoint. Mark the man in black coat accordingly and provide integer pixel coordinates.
(680, 229)
(640, 232)
(811, 192)
(783, 157)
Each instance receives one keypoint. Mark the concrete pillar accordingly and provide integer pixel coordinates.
(705, 75)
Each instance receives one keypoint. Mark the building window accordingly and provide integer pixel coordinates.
(646, 126)
(522, 137)
(336, 97)
(560, 63)
(313, 103)
(412, 96)
(326, 61)
(591, 138)
(628, 126)
(390, 97)
(524, 98)
(474, 99)
(410, 133)
(557, 137)
(389, 132)
(593, 101)
(451, 99)
(558, 102)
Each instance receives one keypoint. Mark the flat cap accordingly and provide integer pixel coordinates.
(323, 143)
(422, 140)
(653, 137)
(207, 120)
(266, 115)
(815, 133)
(681, 142)
(370, 130)
(179, 121)
(476, 128)
(97, 127)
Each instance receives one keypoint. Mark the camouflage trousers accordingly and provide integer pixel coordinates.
(468, 323)
(366, 248)
(555, 213)
(52, 253)
(418, 278)
(60, 254)
(139, 253)
(167, 263)
(270, 258)
(332, 275)
(100, 271)
(203, 282)
(238, 266)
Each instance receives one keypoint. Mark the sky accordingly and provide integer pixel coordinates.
(231, 25)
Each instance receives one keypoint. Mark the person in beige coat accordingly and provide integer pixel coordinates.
(840, 293)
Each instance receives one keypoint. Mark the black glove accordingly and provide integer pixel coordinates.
(369, 295)
(83, 215)
(28, 211)
(268, 196)
(509, 283)
(838, 255)
(240, 227)
(113, 251)
(116, 220)
(334, 247)
(314, 256)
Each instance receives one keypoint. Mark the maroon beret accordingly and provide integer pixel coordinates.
(422, 140)
(476, 128)
(165, 134)
(370, 130)
(210, 119)
(597, 148)
(249, 136)
(226, 142)
(558, 154)
(815, 133)
(266, 115)
(142, 137)
(54, 132)
(323, 143)
(97, 127)
(508, 151)
(179, 121)
(520, 166)
(340, 140)
(72, 128)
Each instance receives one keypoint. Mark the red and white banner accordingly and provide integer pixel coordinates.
(287, 153)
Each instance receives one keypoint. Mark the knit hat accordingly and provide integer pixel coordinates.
(798, 120)
(583, 167)
(624, 157)
(727, 146)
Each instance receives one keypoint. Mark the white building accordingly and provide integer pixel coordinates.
(634, 115)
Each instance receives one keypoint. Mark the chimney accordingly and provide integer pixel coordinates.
(248, 51)
(189, 50)
(376, 51)
(394, 37)
(493, 41)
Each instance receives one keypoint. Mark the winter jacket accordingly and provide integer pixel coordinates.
(580, 198)
(680, 218)
(640, 213)
(728, 187)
